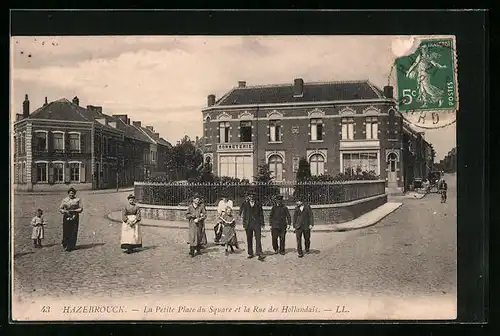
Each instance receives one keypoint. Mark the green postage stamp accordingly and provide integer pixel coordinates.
(427, 77)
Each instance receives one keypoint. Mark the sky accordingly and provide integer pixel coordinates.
(164, 81)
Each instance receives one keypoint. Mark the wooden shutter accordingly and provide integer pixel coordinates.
(50, 141)
(82, 172)
(83, 142)
(67, 173)
(33, 173)
(50, 168)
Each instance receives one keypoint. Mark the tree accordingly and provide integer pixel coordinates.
(304, 170)
(183, 160)
(265, 189)
(264, 174)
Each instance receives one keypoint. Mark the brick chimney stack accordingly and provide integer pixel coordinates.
(389, 92)
(136, 123)
(242, 84)
(46, 102)
(211, 100)
(298, 87)
(26, 107)
(76, 101)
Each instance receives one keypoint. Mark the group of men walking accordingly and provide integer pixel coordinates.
(280, 221)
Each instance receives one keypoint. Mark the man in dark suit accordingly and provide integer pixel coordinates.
(303, 221)
(279, 220)
(253, 222)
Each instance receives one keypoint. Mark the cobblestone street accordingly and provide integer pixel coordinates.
(410, 252)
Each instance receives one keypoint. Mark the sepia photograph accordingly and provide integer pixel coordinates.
(278, 177)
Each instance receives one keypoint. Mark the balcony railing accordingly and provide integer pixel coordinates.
(235, 146)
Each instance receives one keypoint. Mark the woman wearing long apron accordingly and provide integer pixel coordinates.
(70, 208)
(196, 215)
(131, 229)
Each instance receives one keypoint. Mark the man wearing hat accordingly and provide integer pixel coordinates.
(279, 220)
(253, 222)
(303, 221)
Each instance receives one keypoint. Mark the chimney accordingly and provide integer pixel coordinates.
(128, 121)
(157, 135)
(76, 101)
(26, 107)
(389, 92)
(19, 116)
(242, 84)
(96, 109)
(136, 123)
(211, 100)
(150, 128)
(122, 117)
(298, 87)
(46, 103)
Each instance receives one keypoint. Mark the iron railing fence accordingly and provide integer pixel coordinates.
(175, 194)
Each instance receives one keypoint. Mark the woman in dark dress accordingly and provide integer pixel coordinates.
(196, 215)
(70, 208)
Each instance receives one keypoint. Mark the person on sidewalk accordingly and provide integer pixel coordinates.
(280, 220)
(70, 208)
(131, 238)
(37, 233)
(253, 222)
(196, 215)
(443, 188)
(303, 221)
(224, 203)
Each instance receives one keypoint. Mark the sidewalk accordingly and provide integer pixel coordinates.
(368, 219)
(85, 192)
(409, 195)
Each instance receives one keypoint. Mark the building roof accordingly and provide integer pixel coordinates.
(164, 142)
(313, 92)
(133, 132)
(63, 110)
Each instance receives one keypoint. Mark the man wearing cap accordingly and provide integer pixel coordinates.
(303, 221)
(253, 222)
(279, 220)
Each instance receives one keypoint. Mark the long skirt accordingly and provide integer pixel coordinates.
(197, 236)
(131, 236)
(229, 236)
(37, 232)
(70, 233)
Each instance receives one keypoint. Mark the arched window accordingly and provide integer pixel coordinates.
(276, 167)
(317, 164)
(391, 161)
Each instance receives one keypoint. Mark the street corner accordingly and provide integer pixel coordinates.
(368, 219)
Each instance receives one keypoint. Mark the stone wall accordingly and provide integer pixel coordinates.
(323, 214)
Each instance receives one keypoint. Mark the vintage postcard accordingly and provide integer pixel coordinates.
(167, 178)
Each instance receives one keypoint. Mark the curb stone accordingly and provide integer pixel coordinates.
(342, 227)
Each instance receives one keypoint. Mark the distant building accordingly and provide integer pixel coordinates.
(62, 143)
(336, 126)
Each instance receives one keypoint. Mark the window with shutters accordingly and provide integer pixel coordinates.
(41, 141)
(316, 130)
(245, 131)
(41, 172)
(347, 128)
(58, 172)
(58, 140)
(74, 142)
(371, 128)
(317, 164)
(224, 128)
(74, 171)
(275, 134)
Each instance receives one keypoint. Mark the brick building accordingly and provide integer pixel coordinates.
(62, 143)
(335, 125)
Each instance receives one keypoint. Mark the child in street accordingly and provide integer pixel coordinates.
(229, 238)
(38, 223)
